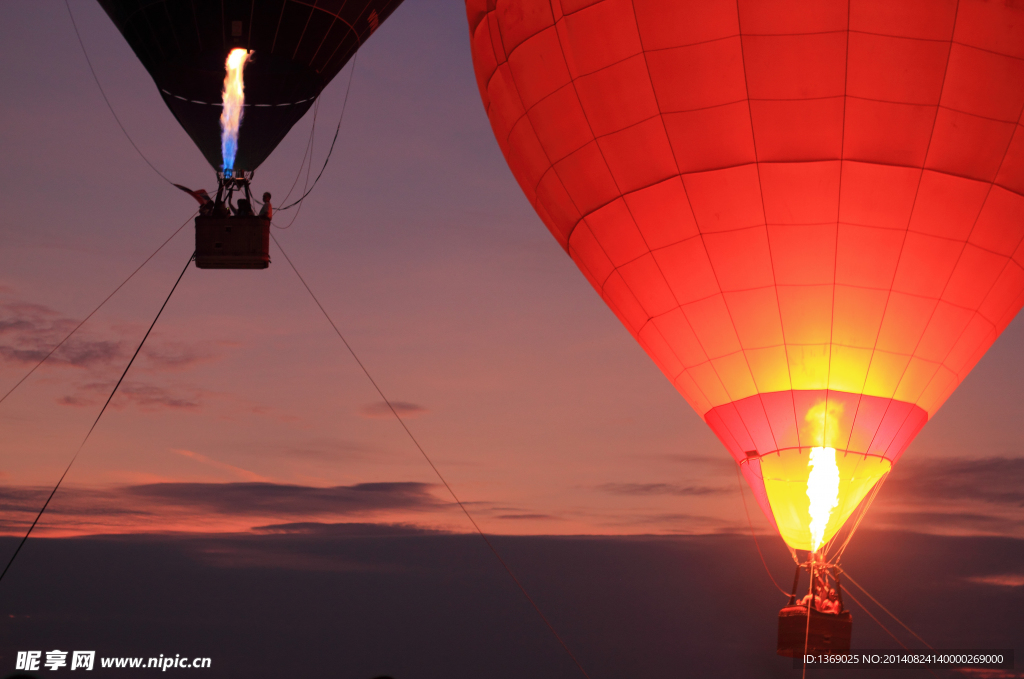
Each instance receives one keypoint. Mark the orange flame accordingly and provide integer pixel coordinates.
(234, 100)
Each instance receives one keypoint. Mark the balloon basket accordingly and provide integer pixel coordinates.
(232, 242)
(827, 632)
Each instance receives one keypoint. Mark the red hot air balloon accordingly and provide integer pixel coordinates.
(809, 213)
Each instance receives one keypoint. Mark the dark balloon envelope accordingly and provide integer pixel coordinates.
(297, 49)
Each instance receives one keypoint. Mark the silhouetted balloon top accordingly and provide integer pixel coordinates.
(297, 49)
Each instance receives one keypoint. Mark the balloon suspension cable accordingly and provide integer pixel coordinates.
(308, 155)
(97, 420)
(229, 181)
(753, 535)
(430, 462)
(810, 603)
(879, 622)
(860, 517)
(820, 572)
(890, 613)
(109, 105)
(93, 312)
(308, 166)
(344, 105)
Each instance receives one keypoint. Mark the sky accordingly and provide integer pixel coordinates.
(244, 418)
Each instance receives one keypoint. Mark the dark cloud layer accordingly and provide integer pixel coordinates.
(994, 480)
(180, 506)
(359, 601)
(281, 499)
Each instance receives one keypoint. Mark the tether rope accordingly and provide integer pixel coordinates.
(426, 457)
(307, 155)
(93, 312)
(96, 421)
(756, 544)
(877, 603)
(344, 105)
(309, 167)
(864, 608)
(860, 517)
(112, 112)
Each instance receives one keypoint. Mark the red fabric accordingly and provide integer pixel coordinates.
(777, 198)
(767, 423)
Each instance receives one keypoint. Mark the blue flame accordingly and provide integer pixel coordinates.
(228, 149)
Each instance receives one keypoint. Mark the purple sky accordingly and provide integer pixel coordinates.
(245, 430)
(539, 408)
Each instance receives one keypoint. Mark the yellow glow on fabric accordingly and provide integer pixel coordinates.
(786, 476)
(821, 427)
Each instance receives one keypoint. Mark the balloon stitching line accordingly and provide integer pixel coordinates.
(431, 463)
(97, 420)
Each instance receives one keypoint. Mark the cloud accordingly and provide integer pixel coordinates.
(72, 400)
(657, 489)
(208, 506)
(1003, 580)
(954, 497)
(346, 529)
(68, 501)
(152, 397)
(170, 355)
(993, 480)
(30, 331)
(380, 409)
(268, 499)
(147, 397)
(527, 517)
(948, 519)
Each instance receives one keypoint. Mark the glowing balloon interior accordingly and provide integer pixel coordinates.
(808, 213)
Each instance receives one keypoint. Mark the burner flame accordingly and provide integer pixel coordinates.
(234, 100)
(822, 490)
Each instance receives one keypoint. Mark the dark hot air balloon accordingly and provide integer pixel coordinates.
(296, 49)
(237, 75)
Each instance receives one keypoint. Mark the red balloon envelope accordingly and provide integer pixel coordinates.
(808, 213)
